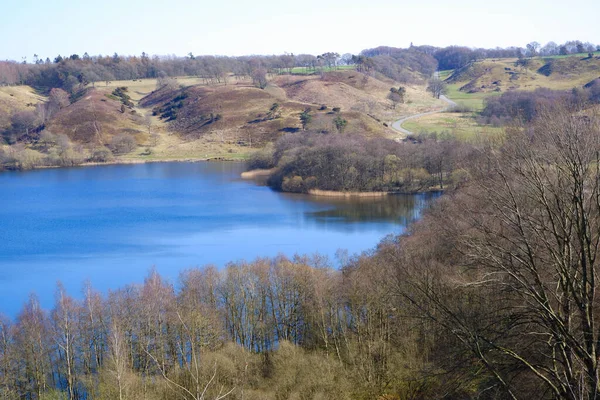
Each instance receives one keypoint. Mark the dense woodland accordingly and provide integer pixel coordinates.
(354, 163)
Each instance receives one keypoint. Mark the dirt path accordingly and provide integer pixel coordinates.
(397, 125)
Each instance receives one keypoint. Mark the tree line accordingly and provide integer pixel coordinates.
(69, 72)
(453, 57)
(272, 328)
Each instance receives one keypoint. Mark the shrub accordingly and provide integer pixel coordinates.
(123, 143)
(340, 124)
(262, 159)
(294, 184)
(459, 108)
(3, 157)
(521, 105)
(46, 140)
(101, 154)
(121, 94)
(20, 157)
(305, 118)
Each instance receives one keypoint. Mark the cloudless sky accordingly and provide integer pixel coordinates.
(238, 27)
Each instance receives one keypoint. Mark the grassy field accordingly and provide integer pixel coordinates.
(463, 126)
(492, 77)
(445, 73)
(363, 102)
(182, 151)
(170, 146)
(310, 71)
(139, 88)
(580, 55)
(14, 99)
(475, 101)
(356, 93)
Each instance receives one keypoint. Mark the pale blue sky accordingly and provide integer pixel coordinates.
(236, 27)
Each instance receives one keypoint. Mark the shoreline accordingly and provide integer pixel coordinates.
(257, 173)
(335, 193)
(265, 173)
(158, 160)
(126, 162)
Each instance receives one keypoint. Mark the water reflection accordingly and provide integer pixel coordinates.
(403, 209)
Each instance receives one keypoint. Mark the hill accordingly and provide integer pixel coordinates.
(509, 74)
(472, 84)
(357, 92)
(192, 118)
(14, 99)
(96, 118)
(240, 112)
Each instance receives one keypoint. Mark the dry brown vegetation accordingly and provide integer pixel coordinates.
(223, 118)
(238, 113)
(353, 91)
(242, 110)
(14, 99)
(96, 118)
(502, 75)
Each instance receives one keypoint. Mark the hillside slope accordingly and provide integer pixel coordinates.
(96, 118)
(471, 85)
(187, 118)
(503, 75)
(239, 112)
(14, 99)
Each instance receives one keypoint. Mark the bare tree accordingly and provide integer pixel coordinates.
(521, 297)
(259, 77)
(118, 364)
(436, 87)
(65, 322)
(8, 363)
(32, 335)
(183, 370)
(533, 49)
(57, 100)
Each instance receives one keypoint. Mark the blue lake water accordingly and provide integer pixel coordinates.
(111, 224)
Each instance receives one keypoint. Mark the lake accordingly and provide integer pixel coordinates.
(112, 224)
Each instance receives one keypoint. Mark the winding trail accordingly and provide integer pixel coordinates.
(397, 125)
